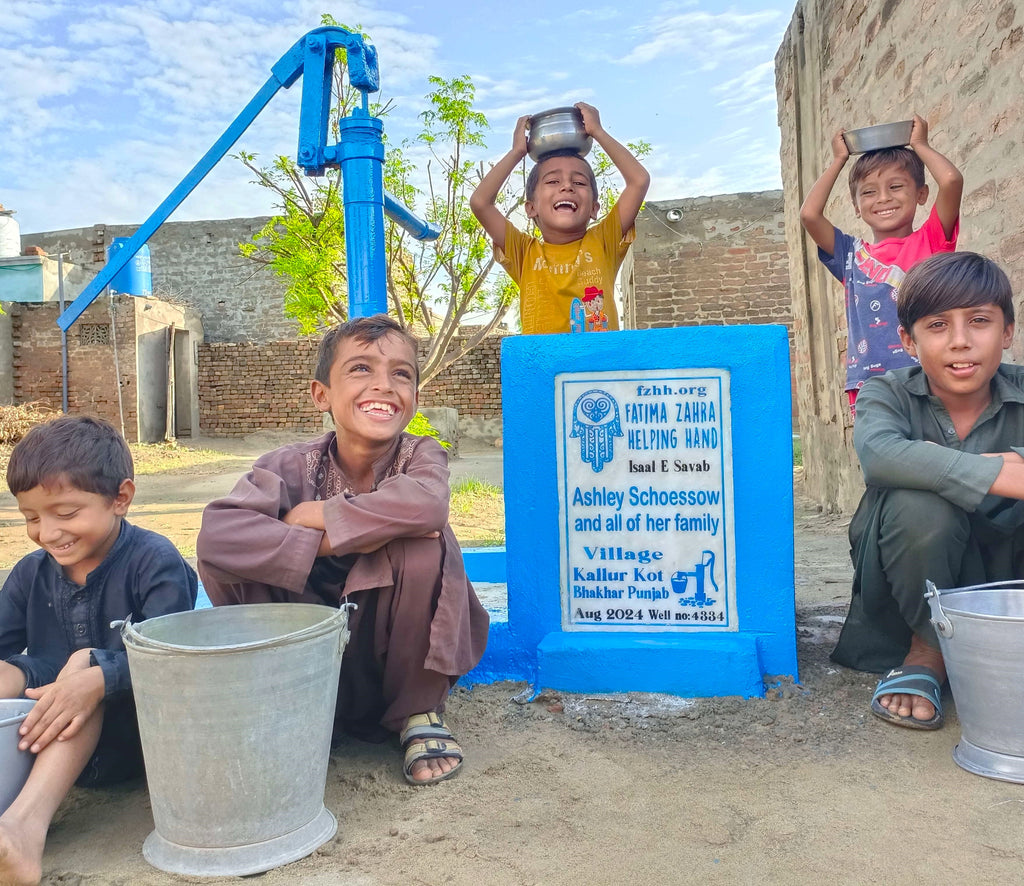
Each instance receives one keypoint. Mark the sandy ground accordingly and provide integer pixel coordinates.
(803, 786)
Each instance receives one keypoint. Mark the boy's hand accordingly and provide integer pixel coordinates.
(919, 132)
(591, 118)
(812, 212)
(519, 140)
(840, 150)
(61, 707)
(310, 514)
(946, 175)
(79, 661)
(306, 513)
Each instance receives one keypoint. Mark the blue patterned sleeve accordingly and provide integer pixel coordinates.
(836, 263)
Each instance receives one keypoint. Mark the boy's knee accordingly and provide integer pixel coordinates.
(419, 554)
(926, 516)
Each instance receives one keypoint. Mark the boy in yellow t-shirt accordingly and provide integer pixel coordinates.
(561, 197)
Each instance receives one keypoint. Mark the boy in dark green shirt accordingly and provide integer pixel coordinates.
(940, 448)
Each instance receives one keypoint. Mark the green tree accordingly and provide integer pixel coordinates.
(434, 286)
(304, 243)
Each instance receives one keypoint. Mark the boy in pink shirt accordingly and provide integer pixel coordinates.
(887, 186)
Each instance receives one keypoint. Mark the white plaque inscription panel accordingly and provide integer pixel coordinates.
(646, 500)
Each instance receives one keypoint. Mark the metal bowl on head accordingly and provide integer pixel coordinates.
(556, 130)
(875, 138)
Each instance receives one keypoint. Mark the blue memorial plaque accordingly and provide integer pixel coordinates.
(645, 500)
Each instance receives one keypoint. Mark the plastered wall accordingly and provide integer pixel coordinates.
(196, 264)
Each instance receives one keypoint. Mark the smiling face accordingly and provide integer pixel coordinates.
(371, 392)
(76, 528)
(887, 199)
(564, 202)
(960, 350)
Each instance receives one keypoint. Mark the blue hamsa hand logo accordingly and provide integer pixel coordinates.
(595, 420)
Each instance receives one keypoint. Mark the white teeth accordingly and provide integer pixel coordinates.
(378, 407)
(568, 203)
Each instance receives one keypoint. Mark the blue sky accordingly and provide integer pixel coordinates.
(107, 105)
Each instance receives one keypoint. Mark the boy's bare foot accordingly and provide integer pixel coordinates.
(20, 860)
(920, 655)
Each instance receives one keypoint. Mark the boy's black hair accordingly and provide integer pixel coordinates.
(951, 280)
(533, 178)
(872, 161)
(87, 453)
(365, 330)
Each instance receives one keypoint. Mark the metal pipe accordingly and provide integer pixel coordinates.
(63, 336)
(361, 156)
(402, 215)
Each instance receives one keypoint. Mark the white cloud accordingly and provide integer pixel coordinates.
(753, 87)
(732, 162)
(122, 102)
(105, 111)
(505, 101)
(704, 39)
(23, 19)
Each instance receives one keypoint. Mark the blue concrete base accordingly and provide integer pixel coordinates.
(536, 420)
(504, 659)
(485, 564)
(691, 665)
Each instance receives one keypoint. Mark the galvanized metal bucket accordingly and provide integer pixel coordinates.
(236, 707)
(981, 633)
(15, 765)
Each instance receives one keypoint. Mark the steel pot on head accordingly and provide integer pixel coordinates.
(875, 138)
(555, 130)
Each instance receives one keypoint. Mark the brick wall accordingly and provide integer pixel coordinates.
(711, 261)
(716, 261)
(473, 385)
(92, 381)
(722, 261)
(247, 387)
(852, 63)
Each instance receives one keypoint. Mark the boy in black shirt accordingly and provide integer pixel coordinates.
(73, 479)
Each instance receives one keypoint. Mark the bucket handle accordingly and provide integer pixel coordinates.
(943, 626)
(129, 634)
(13, 721)
(345, 634)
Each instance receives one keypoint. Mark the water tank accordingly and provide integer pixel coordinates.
(136, 277)
(10, 234)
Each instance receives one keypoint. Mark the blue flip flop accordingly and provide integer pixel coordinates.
(910, 680)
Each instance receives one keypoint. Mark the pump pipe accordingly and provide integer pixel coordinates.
(312, 58)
